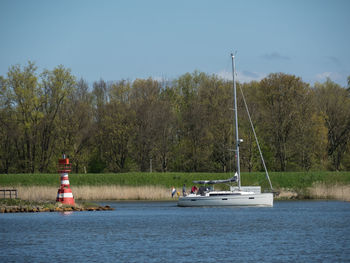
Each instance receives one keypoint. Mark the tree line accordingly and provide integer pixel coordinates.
(181, 125)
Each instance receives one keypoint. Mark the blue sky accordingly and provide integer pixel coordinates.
(116, 40)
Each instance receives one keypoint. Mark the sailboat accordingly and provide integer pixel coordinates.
(237, 195)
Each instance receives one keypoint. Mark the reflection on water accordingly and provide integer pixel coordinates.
(162, 232)
(66, 213)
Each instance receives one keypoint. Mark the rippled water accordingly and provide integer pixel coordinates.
(162, 232)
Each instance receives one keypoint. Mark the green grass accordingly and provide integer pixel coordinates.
(300, 180)
(45, 204)
(291, 180)
(14, 202)
(19, 202)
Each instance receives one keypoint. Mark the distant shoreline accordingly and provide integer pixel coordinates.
(157, 186)
(159, 193)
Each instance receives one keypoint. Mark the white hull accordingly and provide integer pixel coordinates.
(264, 199)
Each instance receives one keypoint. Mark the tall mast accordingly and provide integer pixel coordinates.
(236, 121)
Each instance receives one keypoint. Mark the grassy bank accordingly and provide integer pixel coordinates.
(156, 186)
(279, 180)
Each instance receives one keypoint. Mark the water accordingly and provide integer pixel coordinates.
(162, 232)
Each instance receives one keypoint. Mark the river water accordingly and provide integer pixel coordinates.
(298, 231)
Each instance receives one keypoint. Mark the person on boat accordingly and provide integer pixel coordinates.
(202, 190)
(184, 190)
(194, 189)
(173, 192)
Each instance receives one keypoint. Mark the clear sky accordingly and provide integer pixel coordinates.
(130, 39)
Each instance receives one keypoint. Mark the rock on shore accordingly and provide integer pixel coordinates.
(36, 209)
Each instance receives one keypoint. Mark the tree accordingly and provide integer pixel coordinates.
(183, 125)
(117, 125)
(99, 102)
(334, 104)
(76, 126)
(7, 129)
(144, 99)
(31, 110)
(194, 138)
(250, 157)
(165, 128)
(216, 96)
(56, 85)
(287, 110)
(25, 100)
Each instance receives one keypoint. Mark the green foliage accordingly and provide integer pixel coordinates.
(334, 104)
(96, 165)
(180, 126)
(12, 202)
(287, 113)
(29, 122)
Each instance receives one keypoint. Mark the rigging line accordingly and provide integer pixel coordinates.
(256, 138)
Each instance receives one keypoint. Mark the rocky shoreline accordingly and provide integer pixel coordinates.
(36, 209)
(22, 206)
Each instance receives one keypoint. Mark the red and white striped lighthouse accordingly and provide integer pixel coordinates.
(64, 194)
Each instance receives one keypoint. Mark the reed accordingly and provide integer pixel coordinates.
(286, 194)
(320, 190)
(117, 192)
(37, 193)
(113, 192)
